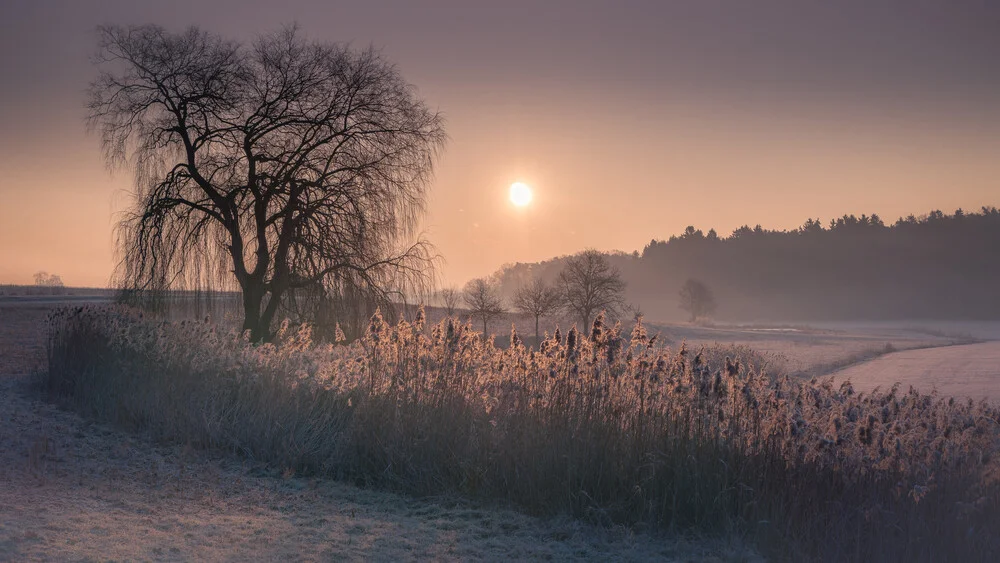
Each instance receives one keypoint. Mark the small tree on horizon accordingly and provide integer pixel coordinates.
(537, 299)
(449, 298)
(588, 284)
(697, 299)
(482, 297)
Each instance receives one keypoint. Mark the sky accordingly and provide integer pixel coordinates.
(630, 119)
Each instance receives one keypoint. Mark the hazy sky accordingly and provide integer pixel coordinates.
(631, 120)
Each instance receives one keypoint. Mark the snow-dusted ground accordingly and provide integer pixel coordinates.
(819, 349)
(969, 371)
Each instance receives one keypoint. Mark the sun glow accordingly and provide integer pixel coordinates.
(520, 194)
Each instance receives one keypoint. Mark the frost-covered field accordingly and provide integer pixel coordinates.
(957, 358)
(817, 349)
(969, 371)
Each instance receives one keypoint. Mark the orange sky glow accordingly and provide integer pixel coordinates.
(615, 156)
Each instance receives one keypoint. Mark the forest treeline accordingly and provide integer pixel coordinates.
(935, 266)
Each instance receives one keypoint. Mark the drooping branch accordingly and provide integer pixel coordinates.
(279, 166)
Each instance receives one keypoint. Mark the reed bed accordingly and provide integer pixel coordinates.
(607, 425)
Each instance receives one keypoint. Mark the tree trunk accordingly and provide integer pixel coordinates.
(253, 296)
(537, 341)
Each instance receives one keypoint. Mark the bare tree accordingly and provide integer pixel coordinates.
(538, 300)
(589, 284)
(697, 299)
(449, 297)
(278, 166)
(482, 297)
(636, 312)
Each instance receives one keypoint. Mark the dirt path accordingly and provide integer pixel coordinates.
(71, 490)
(970, 370)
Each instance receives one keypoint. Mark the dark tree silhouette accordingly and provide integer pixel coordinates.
(934, 266)
(537, 299)
(697, 299)
(589, 284)
(482, 297)
(279, 166)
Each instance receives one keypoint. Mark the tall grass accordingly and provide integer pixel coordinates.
(607, 426)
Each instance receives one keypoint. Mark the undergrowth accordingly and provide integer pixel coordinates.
(608, 426)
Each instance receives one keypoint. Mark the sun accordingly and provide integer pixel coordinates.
(520, 194)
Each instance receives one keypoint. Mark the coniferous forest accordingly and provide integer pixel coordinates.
(935, 266)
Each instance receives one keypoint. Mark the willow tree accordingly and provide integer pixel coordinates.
(275, 166)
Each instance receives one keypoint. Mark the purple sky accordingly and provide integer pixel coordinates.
(631, 120)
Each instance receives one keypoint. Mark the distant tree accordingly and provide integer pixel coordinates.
(283, 166)
(811, 226)
(482, 297)
(691, 232)
(697, 299)
(449, 297)
(636, 311)
(537, 299)
(589, 284)
(47, 280)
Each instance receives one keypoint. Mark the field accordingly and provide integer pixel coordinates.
(821, 349)
(73, 481)
(966, 371)
(955, 359)
(73, 490)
